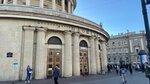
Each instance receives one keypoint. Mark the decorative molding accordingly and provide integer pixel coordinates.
(31, 28)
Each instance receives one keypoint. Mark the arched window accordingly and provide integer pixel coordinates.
(83, 44)
(54, 40)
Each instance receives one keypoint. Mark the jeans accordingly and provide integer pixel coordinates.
(28, 77)
(56, 80)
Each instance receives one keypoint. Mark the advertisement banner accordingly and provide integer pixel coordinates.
(143, 58)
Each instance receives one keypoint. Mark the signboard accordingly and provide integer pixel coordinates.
(9, 54)
(143, 58)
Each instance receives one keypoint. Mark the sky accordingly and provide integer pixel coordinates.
(117, 16)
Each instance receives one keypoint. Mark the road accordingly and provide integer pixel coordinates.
(109, 78)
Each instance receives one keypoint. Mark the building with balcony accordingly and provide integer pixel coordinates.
(125, 47)
(45, 33)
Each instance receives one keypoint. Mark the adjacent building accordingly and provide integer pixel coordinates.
(125, 47)
(45, 33)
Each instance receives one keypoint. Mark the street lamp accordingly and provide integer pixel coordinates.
(143, 3)
(146, 23)
(147, 1)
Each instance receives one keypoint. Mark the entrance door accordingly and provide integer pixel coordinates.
(53, 59)
(84, 68)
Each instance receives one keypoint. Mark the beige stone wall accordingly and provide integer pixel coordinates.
(11, 39)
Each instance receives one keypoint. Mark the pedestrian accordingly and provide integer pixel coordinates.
(123, 74)
(29, 72)
(130, 69)
(56, 74)
(108, 67)
(117, 69)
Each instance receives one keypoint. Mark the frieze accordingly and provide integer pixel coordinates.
(63, 27)
(71, 28)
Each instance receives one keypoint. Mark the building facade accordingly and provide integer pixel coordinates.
(126, 46)
(45, 33)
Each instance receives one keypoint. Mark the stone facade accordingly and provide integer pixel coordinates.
(126, 47)
(42, 36)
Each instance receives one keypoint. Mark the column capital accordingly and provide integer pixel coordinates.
(29, 28)
(68, 32)
(28, 2)
(5, 1)
(97, 38)
(102, 40)
(44, 29)
(92, 37)
(76, 34)
(15, 2)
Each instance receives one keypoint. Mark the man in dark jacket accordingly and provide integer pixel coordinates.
(56, 74)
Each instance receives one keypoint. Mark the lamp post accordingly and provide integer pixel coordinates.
(146, 23)
(144, 3)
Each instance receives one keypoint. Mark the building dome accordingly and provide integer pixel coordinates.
(67, 6)
(45, 33)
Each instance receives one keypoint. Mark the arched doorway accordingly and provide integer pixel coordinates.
(54, 55)
(84, 65)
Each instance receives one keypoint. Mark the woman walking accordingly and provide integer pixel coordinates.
(29, 72)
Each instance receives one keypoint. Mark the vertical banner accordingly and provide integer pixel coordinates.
(143, 58)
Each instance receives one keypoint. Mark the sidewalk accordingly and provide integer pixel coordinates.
(109, 78)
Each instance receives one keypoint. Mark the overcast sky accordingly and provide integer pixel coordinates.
(117, 16)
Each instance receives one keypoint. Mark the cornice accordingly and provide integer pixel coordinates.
(37, 13)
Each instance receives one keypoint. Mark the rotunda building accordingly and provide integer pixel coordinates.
(45, 33)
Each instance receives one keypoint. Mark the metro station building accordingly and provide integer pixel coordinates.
(45, 33)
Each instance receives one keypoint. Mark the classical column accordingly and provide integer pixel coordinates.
(14, 2)
(40, 54)
(97, 55)
(28, 48)
(104, 58)
(28, 2)
(142, 45)
(93, 57)
(54, 4)
(68, 55)
(63, 5)
(69, 8)
(41, 3)
(76, 57)
(72, 9)
(130, 43)
(5, 1)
